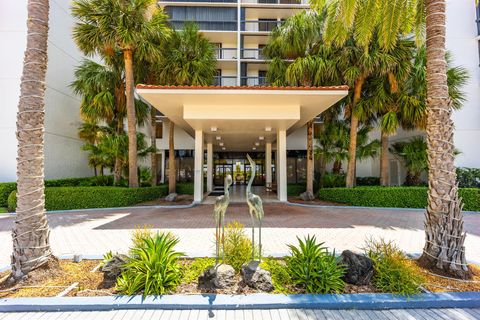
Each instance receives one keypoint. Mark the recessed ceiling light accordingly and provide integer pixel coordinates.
(214, 129)
(254, 148)
(223, 148)
(218, 138)
(268, 128)
(257, 143)
(221, 144)
(261, 138)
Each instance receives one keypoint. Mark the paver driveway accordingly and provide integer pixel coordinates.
(96, 232)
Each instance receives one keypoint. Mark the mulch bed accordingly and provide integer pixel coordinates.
(182, 199)
(316, 201)
(51, 280)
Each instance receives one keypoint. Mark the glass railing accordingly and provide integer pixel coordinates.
(225, 81)
(260, 25)
(253, 81)
(252, 53)
(225, 53)
(208, 25)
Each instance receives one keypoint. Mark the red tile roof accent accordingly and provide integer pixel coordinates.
(148, 86)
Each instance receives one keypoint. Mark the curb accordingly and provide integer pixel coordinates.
(254, 301)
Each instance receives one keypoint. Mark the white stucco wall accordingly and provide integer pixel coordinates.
(63, 156)
(462, 42)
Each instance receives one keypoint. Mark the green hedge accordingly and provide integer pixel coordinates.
(296, 189)
(65, 198)
(394, 197)
(5, 190)
(185, 188)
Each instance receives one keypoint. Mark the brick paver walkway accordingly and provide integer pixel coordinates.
(96, 232)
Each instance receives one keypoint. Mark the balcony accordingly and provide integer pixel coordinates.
(230, 25)
(252, 53)
(260, 25)
(225, 81)
(295, 2)
(253, 81)
(226, 53)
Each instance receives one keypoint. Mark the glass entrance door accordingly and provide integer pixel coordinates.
(238, 167)
(221, 170)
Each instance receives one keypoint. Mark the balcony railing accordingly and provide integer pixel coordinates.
(225, 53)
(252, 53)
(260, 25)
(304, 2)
(253, 81)
(208, 25)
(225, 81)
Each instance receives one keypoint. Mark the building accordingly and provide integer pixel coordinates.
(239, 29)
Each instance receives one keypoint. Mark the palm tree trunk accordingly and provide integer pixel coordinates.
(444, 247)
(132, 121)
(352, 147)
(117, 167)
(384, 181)
(172, 179)
(30, 235)
(310, 157)
(153, 143)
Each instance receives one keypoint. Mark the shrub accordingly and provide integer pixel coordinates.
(394, 273)
(153, 267)
(368, 181)
(281, 279)
(12, 201)
(313, 268)
(333, 180)
(66, 198)
(399, 197)
(238, 247)
(185, 188)
(140, 234)
(468, 177)
(295, 189)
(5, 190)
(194, 269)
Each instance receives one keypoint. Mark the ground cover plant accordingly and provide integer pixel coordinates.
(238, 246)
(282, 282)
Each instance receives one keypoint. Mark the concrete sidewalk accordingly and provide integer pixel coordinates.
(96, 232)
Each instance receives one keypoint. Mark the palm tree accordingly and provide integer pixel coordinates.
(102, 88)
(444, 245)
(414, 156)
(189, 59)
(30, 234)
(134, 28)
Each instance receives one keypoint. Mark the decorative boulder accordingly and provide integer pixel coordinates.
(172, 197)
(359, 268)
(307, 196)
(220, 276)
(256, 277)
(113, 267)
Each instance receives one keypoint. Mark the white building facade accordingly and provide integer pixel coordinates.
(239, 29)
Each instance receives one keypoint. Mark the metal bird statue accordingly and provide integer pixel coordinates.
(255, 207)
(221, 204)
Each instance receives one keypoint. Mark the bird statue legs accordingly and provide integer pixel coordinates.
(253, 233)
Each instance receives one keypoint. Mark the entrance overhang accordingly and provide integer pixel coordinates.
(240, 115)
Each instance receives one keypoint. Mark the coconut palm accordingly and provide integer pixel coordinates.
(30, 234)
(134, 28)
(189, 59)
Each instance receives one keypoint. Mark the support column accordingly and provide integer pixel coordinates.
(198, 177)
(282, 165)
(268, 165)
(209, 167)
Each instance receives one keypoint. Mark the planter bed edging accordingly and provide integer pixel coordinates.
(363, 301)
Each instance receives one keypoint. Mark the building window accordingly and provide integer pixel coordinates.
(478, 19)
(159, 130)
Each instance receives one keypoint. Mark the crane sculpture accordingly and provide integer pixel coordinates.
(221, 204)
(255, 208)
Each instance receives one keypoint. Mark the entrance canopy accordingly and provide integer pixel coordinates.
(240, 116)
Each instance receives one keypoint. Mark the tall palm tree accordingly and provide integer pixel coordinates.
(30, 234)
(102, 88)
(189, 59)
(444, 245)
(135, 28)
